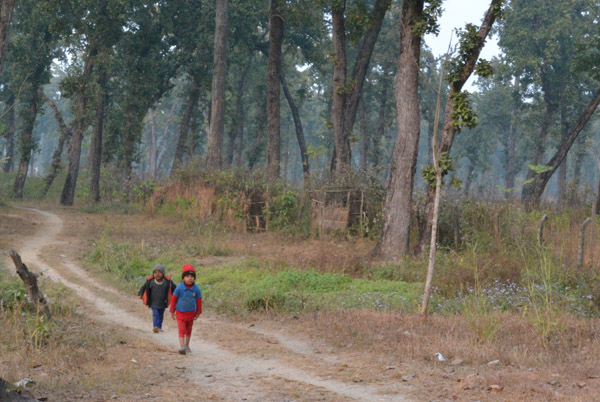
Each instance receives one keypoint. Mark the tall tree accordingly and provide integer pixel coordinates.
(273, 90)
(31, 50)
(532, 191)
(92, 28)
(458, 113)
(6, 12)
(347, 90)
(65, 133)
(547, 57)
(217, 110)
(297, 125)
(9, 134)
(95, 158)
(82, 93)
(194, 92)
(415, 21)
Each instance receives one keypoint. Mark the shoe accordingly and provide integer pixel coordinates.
(155, 330)
(187, 348)
(182, 351)
(160, 330)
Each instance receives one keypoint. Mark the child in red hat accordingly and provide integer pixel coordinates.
(186, 306)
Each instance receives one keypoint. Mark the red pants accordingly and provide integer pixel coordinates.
(185, 322)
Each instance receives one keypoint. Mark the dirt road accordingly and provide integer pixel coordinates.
(254, 365)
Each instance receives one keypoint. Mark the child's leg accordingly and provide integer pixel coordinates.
(182, 327)
(188, 334)
(156, 321)
(161, 316)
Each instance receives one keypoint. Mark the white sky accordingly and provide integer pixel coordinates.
(455, 15)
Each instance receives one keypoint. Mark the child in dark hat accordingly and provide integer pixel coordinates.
(156, 293)
(186, 306)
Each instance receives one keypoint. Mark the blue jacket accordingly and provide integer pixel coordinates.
(186, 298)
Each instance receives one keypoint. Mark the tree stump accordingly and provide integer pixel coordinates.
(31, 286)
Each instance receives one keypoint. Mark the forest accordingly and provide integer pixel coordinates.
(318, 156)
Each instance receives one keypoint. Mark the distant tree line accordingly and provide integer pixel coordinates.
(301, 88)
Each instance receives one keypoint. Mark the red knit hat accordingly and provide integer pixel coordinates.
(188, 269)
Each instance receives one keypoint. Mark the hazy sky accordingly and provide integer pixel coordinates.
(456, 14)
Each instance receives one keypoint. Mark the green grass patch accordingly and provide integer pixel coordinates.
(250, 285)
(246, 287)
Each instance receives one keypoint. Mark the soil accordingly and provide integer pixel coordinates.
(229, 361)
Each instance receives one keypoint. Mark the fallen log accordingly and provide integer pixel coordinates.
(31, 286)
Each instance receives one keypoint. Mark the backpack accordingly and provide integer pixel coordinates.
(169, 295)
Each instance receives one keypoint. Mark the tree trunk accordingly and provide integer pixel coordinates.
(239, 137)
(376, 154)
(30, 281)
(65, 133)
(532, 192)
(9, 135)
(364, 135)
(511, 168)
(217, 118)
(361, 66)
(273, 91)
(449, 128)
(341, 143)
(184, 127)
(469, 180)
(6, 11)
(562, 170)
(27, 145)
(252, 160)
(80, 124)
(152, 144)
(95, 157)
(540, 145)
(298, 126)
(597, 205)
(580, 153)
(393, 242)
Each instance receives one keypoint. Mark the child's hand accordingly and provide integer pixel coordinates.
(196, 317)
(173, 316)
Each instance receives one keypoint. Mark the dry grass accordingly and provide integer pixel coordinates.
(527, 371)
(81, 360)
(326, 255)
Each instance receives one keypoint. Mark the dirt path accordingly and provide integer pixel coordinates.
(252, 371)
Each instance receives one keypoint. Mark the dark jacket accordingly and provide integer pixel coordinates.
(147, 290)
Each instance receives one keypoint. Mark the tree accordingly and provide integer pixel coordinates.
(31, 50)
(193, 95)
(560, 59)
(217, 115)
(90, 40)
(297, 125)
(273, 90)
(546, 60)
(458, 113)
(95, 157)
(347, 91)
(9, 133)
(415, 21)
(6, 13)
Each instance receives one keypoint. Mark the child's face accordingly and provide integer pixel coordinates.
(158, 275)
(188, 279)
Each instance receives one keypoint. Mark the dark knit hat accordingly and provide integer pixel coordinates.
(188, 269)
(159, 267)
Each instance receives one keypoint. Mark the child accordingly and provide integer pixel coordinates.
(187, 301)
(158, 290)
